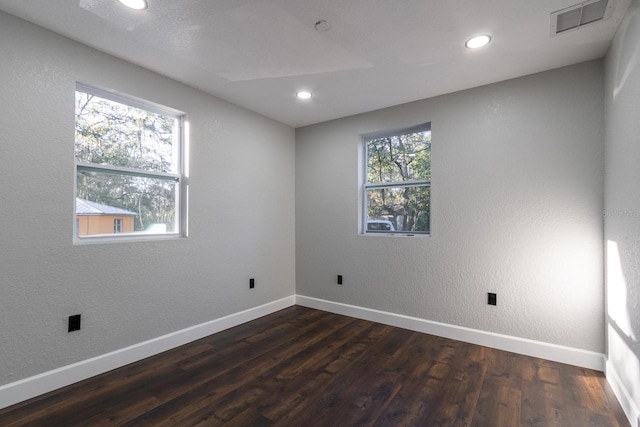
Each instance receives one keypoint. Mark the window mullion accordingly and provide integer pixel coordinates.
(119, 170)
(398, 184)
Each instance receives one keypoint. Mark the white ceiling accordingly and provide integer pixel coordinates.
(378, 53)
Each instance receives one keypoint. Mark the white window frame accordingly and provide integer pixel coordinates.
(117, 225)
(366, 186)
(179, 176)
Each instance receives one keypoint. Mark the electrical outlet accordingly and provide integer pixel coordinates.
(252, 283)
(339, 279)
(74, 323)
(492, 299)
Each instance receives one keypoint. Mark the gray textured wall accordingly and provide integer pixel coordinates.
(516, 209)
(241, 213)
(622, 202)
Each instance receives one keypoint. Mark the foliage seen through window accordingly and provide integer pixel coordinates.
(398, 182)
(127, 162)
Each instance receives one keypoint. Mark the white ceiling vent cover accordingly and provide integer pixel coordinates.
(579, 15)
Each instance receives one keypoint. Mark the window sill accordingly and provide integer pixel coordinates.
(125, 239)
(418, 235)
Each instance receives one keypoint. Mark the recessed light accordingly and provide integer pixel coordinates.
(303, 94)
(478, 41)
(135, 4)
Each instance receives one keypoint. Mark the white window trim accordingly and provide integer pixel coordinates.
(179, 176)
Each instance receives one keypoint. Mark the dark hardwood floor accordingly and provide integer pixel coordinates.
(303, 367)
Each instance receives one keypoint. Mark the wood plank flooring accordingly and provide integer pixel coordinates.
(303, 367)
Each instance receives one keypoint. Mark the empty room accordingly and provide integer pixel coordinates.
(321, 213)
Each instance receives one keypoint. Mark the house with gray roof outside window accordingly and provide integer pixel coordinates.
(96, 218)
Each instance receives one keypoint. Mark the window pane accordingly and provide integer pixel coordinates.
(401, 157)
(115, 134)
(405, 209)
(144, 205)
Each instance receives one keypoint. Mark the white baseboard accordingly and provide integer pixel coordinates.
(554, 352)
(630, 408)
(28, 388)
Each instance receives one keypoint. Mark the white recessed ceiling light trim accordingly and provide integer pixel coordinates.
(476, 42)
(135, 4)
(303, 94)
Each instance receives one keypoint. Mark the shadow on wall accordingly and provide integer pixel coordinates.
(622, 225)
(623, 296)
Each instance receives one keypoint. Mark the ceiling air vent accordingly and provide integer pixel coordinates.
(579, 15)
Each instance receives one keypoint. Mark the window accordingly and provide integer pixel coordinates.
(397, 182)
(128, 160)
